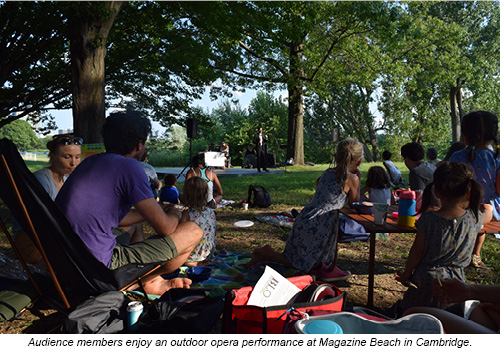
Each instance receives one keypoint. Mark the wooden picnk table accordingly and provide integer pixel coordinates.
(391, 226)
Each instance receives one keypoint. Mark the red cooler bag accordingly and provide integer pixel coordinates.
(241, 318)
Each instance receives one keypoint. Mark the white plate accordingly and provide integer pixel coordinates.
(243, 224)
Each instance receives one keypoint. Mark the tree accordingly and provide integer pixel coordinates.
(89, 25)
(282, 45)
(34, 70)
(21, 134)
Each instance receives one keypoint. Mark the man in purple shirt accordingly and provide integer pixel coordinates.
(111, 190)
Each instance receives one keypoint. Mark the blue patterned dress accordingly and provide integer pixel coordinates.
(486, 167)
(448, 250)
(313, 238)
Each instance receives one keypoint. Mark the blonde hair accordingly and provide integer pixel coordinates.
(349, 151)
(195, 193)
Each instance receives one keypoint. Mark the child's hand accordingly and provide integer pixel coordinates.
(403, 277)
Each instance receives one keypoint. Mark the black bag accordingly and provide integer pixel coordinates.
(182, 310)
(261, 197)
(106, 313)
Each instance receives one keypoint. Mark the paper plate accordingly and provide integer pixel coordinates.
(243, 224)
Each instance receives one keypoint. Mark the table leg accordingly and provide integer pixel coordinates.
(371, 270)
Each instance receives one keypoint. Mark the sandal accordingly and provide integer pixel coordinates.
(476, 262)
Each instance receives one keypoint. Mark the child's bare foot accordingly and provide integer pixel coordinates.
(263, 253)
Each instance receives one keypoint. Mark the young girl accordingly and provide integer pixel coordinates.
(312, 243)
(378, 186)
(480, 130)
(445, 238)
(195, 199)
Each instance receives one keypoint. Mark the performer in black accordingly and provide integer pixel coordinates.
(259, 141)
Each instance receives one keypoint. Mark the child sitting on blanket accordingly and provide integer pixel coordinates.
(195, 199)
(169, 193)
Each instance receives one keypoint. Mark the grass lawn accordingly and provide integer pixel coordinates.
(292, 189)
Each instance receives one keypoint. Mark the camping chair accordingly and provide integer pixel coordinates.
(69, 262)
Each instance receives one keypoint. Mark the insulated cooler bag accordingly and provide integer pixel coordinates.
(241, 318)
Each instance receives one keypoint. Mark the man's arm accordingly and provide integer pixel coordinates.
(164, 223)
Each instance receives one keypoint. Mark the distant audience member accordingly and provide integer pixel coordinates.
(378, 186)
(249, 157)
(169, 192)
(224, 148)
(393, 172)
(445, 238)
(432, 155)
(421, 172)
(151, 173)
(199, 168)
(455, 146)
(194, 197)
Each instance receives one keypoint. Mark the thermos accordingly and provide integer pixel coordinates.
(406, 208)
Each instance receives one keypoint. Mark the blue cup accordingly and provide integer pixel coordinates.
(322, 327)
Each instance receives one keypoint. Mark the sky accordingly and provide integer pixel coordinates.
(64, 119)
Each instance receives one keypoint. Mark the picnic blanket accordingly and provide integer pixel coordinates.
(279, 220)
(224, 203)
(350, 230)
(229, 271)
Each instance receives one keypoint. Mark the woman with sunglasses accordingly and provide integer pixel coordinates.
(64, 155)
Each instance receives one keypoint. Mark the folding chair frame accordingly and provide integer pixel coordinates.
(34, 237)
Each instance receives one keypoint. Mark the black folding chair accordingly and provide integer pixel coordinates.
(70, 263)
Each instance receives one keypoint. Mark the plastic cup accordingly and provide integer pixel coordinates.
(379, 213)
(134, 311)
(245, 207)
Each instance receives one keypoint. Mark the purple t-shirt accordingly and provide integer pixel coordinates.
(98, 194)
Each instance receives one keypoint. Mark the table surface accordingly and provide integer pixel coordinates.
(392, 226)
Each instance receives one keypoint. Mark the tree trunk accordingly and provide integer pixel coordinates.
(88, 38)
(295, 147)
(456, 111)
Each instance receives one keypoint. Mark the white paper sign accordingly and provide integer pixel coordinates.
(272, 289)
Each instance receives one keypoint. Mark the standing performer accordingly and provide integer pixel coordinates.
(259, 141)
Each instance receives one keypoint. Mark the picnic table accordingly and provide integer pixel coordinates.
(391, 226)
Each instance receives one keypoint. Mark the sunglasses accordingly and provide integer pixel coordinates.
(69, 140)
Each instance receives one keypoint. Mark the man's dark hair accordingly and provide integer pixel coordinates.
(122, 131)
(432, 153)
(413, 150)
(386, 155)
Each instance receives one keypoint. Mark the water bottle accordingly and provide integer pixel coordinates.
(406, 208)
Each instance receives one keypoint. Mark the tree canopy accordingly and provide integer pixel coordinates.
(383, 72)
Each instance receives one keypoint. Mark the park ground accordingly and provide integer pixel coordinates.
(289, 190)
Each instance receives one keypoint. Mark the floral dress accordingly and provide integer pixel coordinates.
(206, 220)
(486, 167)
(448, 250)
(313, 238)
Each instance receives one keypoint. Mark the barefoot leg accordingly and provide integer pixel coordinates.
(267, 253)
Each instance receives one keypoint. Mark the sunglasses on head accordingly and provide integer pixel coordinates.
(69, 140)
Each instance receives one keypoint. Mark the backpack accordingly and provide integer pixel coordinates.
(106, 313)
(261, 197)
